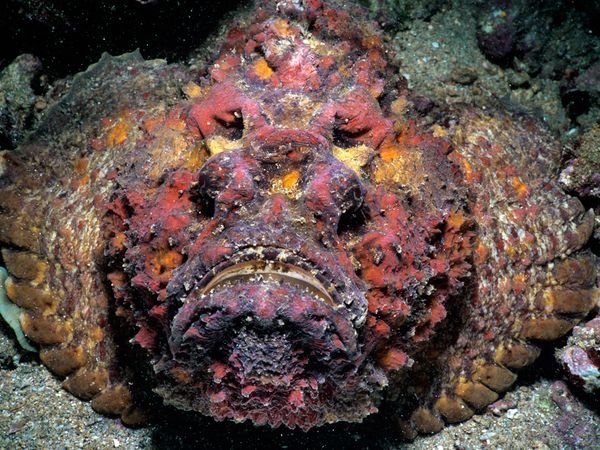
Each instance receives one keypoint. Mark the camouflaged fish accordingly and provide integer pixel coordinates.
(277, 237)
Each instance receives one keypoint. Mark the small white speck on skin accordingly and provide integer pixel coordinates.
(572, 131)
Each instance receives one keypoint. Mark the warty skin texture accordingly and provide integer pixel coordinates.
(275, 238)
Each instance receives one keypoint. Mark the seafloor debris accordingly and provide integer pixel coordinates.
(275, 238)
(573, 427)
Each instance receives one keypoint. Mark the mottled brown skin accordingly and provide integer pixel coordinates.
(273, 238)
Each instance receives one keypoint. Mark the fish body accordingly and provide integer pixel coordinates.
(278, 237)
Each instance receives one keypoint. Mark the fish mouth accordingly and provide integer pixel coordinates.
(257, 271)
(264, 341)
(270, 335)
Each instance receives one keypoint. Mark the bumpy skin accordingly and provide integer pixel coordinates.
(284, 244)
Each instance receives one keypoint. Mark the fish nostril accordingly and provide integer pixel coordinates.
(334, 191)
(205, 202)
(347, 139)
(233, 126)
(212, 179)
(353, 219)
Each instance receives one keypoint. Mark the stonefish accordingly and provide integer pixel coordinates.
(278, 236)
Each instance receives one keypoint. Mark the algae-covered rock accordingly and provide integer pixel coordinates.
(17, 98)
(582, 173)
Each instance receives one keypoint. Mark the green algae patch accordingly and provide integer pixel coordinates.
(11, 312)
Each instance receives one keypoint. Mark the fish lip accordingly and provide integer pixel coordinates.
(280, 258)
(265, 270)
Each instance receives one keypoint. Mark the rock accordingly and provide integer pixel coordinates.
(17, 98)
(517, 79)
(581, 93)
(497, 36)
(580, 359)
(463, 75)
(582, 172)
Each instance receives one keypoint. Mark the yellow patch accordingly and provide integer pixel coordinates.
(197, 157)
(192, 90)
(439, 131)
(399, 106)
(321, 48)
(281, 27)
(117, 134)
(218, 144)
(354, 157)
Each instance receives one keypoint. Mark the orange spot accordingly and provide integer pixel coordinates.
(289, 180)
(118, 241)
(81, 165)
(76, 183)
(262, 69)
(519, 283)
(117, 134)
(181, 375)
(389, 151)
(455, 220)
(471, 176)
(170, 259)
(96, 334)
(175, 123)
(163, 263)
(481, 252)
(281, 27)
(151, 124)
(372, 41)
(520, 187)
(393, 359)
